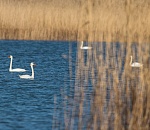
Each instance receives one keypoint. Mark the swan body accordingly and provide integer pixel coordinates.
(14, 70)
(28, 76)
(135, 64)
(84, 47)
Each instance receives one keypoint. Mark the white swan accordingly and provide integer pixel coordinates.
(28, 76)
(135, 64)
(85, 47)
(14, 70)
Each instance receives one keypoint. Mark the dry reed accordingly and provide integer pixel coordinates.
(120, 99)
(94, 20)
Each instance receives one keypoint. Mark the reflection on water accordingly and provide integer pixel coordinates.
(75, 88)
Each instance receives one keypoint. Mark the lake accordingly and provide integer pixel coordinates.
(39, 103)
(73, 88)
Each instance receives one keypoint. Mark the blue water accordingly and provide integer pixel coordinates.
(35, 104)
(60, 96)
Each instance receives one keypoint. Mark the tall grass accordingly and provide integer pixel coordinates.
(36, 20)
(120, 99)
(96, 20)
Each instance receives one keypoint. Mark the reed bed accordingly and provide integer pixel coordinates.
(94, 20)
(109, 94)
(120, 93)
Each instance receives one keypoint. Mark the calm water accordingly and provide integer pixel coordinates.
(62, 95)
(39, 103)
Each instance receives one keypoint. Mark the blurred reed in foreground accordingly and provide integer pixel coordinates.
(108, 94)
(95, 20)
(120, 97)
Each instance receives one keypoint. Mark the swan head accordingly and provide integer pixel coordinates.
(10, 56)
(32, 64)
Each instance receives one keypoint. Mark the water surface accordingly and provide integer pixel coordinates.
(73, 88)
(34, 104)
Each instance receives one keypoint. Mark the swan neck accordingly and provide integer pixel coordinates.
(81, 44)
(131, 60)
(10, 68)
(32, 71)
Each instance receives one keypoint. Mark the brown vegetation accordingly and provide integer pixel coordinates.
(120, 99)
(93, 20)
